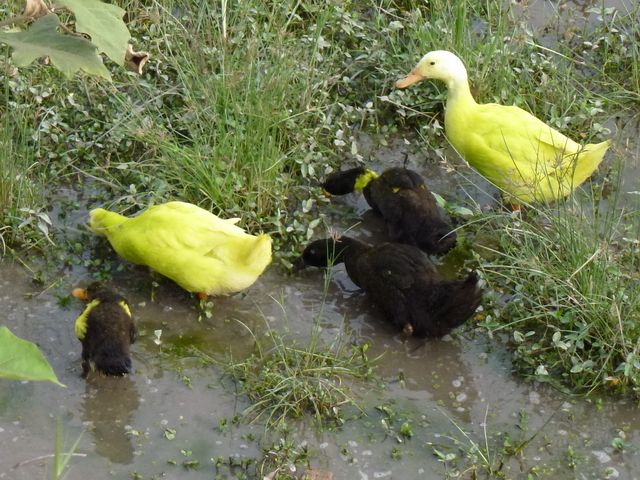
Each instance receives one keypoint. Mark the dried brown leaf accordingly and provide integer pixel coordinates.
(35, 9)
(134, 61)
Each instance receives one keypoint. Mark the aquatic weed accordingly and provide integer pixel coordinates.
(574, 311)
(284, 380)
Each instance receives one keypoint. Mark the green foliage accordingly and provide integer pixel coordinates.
(21, 360)
(574, 308)
(61, 459)
(71, 53)
(103, 23)
(18, 189)
(283, 457)
(285, 381)
(68, 54)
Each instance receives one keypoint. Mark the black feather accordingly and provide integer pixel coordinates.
(402, 281)
(406, 204)
(110, 331)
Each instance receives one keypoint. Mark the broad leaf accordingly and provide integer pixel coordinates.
(103, 23)
(67, 53)
(21, 360)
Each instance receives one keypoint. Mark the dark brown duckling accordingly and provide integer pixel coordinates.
(406, 204)
(402, 281)
(106, 330)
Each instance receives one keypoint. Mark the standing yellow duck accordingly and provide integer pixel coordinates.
(196, 249)
(510, 147)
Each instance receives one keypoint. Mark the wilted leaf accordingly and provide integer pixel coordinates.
(134, 61)
(67, 53)
(21, 360)
(103, 23)
(35, 9)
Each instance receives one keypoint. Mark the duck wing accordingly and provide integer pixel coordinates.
(388, 274)
(391, 265)
(174, 227)
(437, 306)
(512, 139)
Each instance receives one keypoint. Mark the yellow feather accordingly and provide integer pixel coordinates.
(510, 147)
(125, 307)
(81, 322)
(364, 179)
(198, 250)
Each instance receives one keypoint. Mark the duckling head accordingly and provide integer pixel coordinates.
(346, 181)
(320, 253)
(439, 65)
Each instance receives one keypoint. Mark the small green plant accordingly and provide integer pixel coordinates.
(392, 421)
(283, 458)
(574, 312)
(285, 381)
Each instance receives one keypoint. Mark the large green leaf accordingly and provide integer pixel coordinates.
(21, 360)
(67, 52)
(103, 23)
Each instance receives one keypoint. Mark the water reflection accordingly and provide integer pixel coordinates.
(108, 405)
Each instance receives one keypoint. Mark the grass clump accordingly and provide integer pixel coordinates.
(285, 381)
(573, 310)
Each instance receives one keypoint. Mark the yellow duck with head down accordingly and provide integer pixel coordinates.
(193, 247)
(529, 160)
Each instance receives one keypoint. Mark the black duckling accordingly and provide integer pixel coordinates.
(402, 281)
(106, 330)
(406, 204)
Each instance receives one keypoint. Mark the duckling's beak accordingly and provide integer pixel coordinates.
(413, 77)
(326, 194)
(80, 293)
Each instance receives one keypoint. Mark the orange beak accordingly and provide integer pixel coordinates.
(80, 293)
(413, 77)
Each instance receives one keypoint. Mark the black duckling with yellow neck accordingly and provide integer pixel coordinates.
(402, 281)
(406, 204)
(106, 330)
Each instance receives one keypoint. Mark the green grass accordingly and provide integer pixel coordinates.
(285, 381)
(21, 189)
(573, 313)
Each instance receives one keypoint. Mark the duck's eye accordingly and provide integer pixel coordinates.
(432, 63)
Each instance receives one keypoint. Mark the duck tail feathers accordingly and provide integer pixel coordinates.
(451, 304)
(589, 160)
(112, 359)
(259, 252)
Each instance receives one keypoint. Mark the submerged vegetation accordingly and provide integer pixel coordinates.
(285, 381)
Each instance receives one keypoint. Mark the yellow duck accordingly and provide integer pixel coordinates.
(196, 249)
(510, 147)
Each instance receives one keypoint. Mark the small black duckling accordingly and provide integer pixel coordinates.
(106, 330)
(402, 281)
(406, 204)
